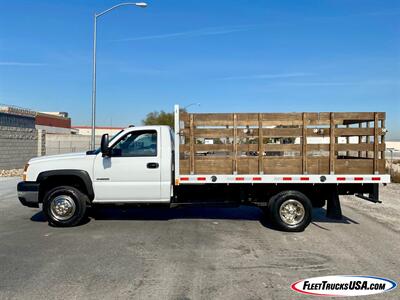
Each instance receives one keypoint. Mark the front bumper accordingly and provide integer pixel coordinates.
(28, 193)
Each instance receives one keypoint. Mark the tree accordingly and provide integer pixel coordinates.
(159, 118)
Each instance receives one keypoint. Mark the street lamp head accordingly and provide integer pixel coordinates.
(141, 4)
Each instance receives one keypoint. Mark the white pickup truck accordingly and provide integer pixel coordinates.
(154, 164)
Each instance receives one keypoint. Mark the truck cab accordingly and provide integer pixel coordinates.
(134, 166)
(137, 163)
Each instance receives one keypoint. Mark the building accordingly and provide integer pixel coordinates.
(52, 122)
(100, 130)
(19, 139)
(14, 117)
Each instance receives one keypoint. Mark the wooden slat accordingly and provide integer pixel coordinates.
(224, 132)
(247, 165)
(318, 118)
(191, 143)
(214, 165)
(304, 144)
(332, 145)
(277, 165)
(354, 166)
(184, 117)
(376, 141)
(282, 132)
(253, 147)
(278, 132)
(248, 119)
(360, 140)
(260, 145)
(184, 166)
(340, 117)
(213, 119)
(223, 119)
(347, 141)
(280, 165)
(383, 141)
(318, 165)
(357, 166)
(368, 140)
(235, 143)
(354, 131)
(283, 147)
(282, 117)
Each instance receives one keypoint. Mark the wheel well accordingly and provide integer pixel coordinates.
(59, 180)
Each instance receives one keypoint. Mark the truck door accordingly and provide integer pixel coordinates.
(132, 171)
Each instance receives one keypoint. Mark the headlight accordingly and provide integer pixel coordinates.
(24, 173)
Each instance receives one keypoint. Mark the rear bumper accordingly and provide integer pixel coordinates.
(28, 193)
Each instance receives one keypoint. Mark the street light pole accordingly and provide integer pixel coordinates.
(191, 104)
(93, 140)
(138, 4)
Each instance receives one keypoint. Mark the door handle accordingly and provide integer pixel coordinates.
(152, 165)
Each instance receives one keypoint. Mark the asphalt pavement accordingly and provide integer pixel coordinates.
(190, 253)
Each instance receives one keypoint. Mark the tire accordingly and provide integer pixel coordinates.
(64, 206)
(290, 211)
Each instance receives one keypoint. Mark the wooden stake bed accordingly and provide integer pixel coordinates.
(325, 143)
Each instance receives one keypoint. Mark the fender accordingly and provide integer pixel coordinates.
(83, 175)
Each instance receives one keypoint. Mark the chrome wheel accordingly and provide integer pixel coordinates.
(292, 212)
(62, 207)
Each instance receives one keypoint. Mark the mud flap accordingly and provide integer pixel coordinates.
(333, 210)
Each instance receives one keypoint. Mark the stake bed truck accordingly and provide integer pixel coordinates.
(284, 163)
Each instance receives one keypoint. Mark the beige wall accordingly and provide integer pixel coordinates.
(68, 143)
(99, 131)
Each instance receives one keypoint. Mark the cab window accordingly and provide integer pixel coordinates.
(136, 143)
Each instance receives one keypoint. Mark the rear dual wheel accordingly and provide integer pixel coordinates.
(290, 211)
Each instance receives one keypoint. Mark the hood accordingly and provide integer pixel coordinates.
(78, 155)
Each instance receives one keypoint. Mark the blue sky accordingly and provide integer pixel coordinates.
(244, 56)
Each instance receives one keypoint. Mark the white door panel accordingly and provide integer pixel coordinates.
(106, 192)
(126, 178)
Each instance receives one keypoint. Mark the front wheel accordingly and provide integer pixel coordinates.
(290, 211)
(64, 206)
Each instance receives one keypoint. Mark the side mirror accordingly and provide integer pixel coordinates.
(104, 145)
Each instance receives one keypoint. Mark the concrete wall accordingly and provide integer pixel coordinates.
(57, 130)
(67, 143)
(17, 146)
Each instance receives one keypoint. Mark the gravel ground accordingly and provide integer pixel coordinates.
(387, 213)
(11, 173)
(202, 253)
